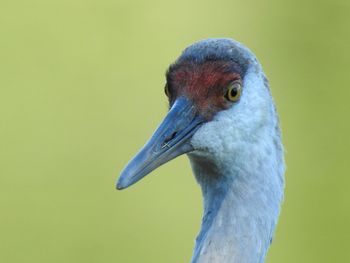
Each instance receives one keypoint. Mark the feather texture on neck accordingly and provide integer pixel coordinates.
(239, 166)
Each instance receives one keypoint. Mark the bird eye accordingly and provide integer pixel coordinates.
(234, 91)
(166, 90)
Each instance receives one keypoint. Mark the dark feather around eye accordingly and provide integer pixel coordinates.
(166, 90)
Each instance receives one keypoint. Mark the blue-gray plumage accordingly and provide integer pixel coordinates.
(223, 117)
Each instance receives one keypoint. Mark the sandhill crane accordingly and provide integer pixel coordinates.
(223, 117)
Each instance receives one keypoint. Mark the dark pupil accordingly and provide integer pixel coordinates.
(233, 92)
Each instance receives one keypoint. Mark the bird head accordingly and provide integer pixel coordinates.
(217, 99)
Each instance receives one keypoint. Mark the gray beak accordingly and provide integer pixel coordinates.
(171, 139)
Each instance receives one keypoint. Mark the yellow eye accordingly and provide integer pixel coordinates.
(234, 91)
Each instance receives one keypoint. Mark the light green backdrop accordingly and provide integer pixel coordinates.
(81, 89)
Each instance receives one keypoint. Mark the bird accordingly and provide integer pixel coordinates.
(222, 115)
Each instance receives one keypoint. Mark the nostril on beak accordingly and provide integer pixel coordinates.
(168, 139)
(171, 137)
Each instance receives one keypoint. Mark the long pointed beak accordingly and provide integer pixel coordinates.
(171, 139)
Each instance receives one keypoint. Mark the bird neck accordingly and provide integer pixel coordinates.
(241, 206)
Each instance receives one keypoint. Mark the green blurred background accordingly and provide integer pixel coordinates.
(81, 90)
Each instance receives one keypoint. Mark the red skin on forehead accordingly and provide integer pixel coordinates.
(205, 84)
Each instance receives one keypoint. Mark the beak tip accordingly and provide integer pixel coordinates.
(120, 185)
(125, 180)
